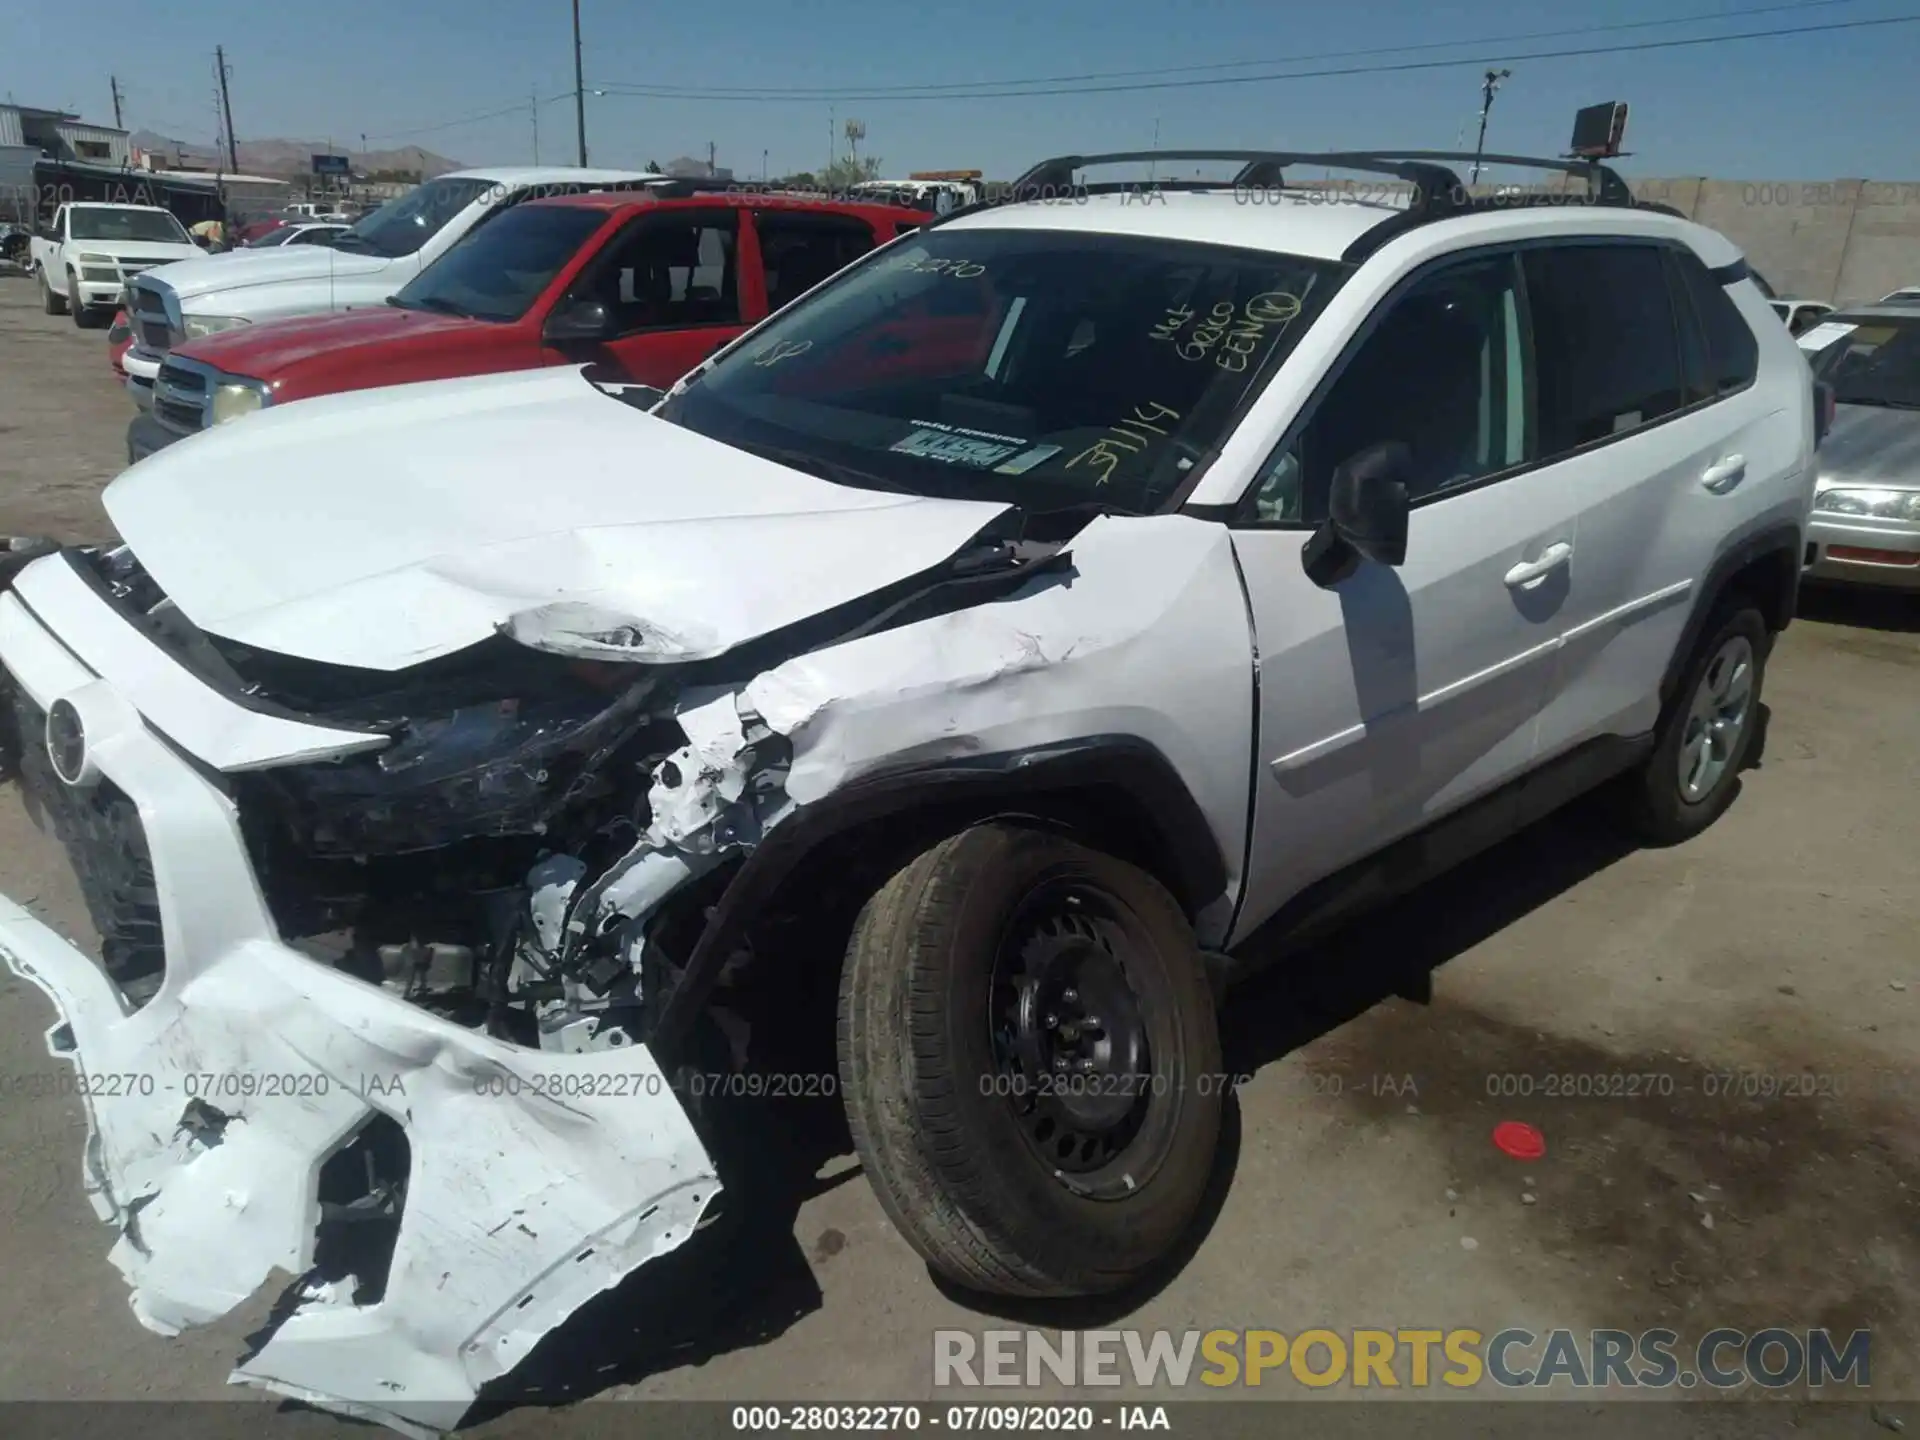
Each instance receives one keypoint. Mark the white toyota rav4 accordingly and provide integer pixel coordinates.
(1037, 609)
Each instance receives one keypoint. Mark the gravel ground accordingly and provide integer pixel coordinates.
(1359, 1186)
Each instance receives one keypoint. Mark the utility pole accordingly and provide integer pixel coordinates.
(1487, 87)
(533, 109)
(579, 88)
(114, 81)
(711, 172)
(226, 109)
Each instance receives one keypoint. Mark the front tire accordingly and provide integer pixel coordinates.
(1706, 737)
(76, 302)
(50, 302)
(1030, 1057)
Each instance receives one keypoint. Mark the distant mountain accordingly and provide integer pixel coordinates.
(292, 159)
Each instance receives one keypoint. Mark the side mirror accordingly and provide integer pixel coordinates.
(1366, 515)
(1823, 410)
(578, 320)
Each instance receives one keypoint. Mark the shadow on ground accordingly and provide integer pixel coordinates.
(1860, 607)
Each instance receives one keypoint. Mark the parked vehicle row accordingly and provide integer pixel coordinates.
(361, 267)
(642, 284)
(1037, 609)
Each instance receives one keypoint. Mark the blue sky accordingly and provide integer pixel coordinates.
(1812, 106)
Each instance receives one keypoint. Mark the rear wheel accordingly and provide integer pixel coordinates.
(1706, 736)
(1029, 1053)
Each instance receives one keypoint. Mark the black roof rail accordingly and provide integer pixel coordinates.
(1437, 190)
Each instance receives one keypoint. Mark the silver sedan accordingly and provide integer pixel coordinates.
(1865, 528)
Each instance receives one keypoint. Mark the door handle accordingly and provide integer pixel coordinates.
(1723, 475)
(1532, 572)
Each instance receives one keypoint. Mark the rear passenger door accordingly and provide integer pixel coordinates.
(1649, 411)
(801, 248)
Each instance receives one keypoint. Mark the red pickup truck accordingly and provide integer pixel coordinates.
(643, 285)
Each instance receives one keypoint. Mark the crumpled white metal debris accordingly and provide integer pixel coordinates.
(537, 1180)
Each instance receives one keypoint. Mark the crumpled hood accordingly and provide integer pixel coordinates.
(238, 269)
(383, 528)
(1872, 444)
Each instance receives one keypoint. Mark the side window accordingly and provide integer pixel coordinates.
(1443, 371)
(798, 251)
(1735, 353)
(1696, 361)
(1606, 349)
(668, 271)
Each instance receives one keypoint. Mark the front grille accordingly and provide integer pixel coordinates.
(176, 416)
(179, 397)
(101, 832)
(178, 377)
(150, 319)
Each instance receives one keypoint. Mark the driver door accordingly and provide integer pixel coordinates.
(1401, 693)
(671, 280)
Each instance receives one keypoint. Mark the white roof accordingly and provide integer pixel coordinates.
(517, 175)
(1308, 224)
(1254, 220)
(112, 205)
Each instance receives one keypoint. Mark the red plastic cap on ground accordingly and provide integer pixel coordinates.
(1519, 1140)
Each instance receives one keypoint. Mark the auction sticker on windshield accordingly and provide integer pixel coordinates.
(977, 449)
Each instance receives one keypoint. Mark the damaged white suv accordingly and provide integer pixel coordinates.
(1031, 613)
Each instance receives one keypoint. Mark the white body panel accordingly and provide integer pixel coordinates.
(258, 535)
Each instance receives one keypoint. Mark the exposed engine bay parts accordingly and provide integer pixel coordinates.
(507, 876)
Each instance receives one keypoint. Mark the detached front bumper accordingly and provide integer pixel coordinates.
(1858, 551)
(535, 1181)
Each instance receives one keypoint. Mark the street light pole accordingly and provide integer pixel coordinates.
(579, 88)
(1491, 84)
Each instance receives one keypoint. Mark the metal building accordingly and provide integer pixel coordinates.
(62, 136)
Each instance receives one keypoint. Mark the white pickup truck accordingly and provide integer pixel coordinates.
(360, 267)
(88, 253)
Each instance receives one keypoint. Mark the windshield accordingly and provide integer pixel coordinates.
(497, 270)
(402, 226)
(1876, 362)
(158, 226)
(1040, 368)
(272, 237)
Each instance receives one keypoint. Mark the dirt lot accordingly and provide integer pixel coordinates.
(1359, 1186)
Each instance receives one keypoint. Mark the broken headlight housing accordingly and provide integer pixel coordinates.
(501, 768)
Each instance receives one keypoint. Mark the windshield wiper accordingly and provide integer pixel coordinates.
(438, 304)
(811, 464)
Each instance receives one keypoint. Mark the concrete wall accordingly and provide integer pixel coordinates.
(1844, 241)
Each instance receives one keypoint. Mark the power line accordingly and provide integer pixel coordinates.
(464, 120)
(1400, 67)
(964, 85)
